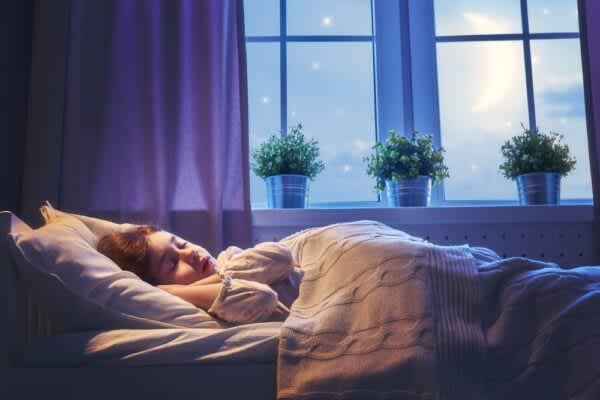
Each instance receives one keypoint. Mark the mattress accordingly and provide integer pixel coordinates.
(252, 343)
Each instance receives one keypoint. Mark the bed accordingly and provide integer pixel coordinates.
(38, 362)
(381, 314)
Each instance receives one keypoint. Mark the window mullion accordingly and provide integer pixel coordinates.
(283, 64)
(528, 66)
(409, 117)
(389, 68)
(375, 81)
(423, 59)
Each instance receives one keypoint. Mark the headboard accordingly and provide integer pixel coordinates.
(21, 318)
(567, 235)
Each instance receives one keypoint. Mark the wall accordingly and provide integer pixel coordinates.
(15, 46)
(43, 152)
(590, 34)
(564, 235)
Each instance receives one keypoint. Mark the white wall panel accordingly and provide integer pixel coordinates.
(565, 235)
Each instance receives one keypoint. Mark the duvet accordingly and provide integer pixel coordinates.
(385, 315)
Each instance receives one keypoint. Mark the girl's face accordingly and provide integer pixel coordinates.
(175, 261)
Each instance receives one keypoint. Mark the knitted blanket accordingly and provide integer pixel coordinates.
(384, 315)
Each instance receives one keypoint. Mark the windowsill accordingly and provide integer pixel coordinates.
(447, 213)
(434, 204)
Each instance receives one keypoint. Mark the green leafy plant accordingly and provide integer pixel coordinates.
(534, 151)
(288, 154)
(406, 158)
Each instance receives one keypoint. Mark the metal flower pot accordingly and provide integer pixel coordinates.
(287, 191)
(409, 192)
(539, 188)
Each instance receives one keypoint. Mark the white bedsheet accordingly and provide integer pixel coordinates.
(252, 343)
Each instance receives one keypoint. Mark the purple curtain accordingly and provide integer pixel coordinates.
(592, 34)
(155, 122)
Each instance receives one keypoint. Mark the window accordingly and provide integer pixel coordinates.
(311, 62)
(467, 71)
(500, 64)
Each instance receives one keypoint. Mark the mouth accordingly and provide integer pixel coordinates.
(207, 265)
(203, 262)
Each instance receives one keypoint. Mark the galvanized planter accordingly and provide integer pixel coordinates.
(287, 191)
(539, 188)
(409, 192)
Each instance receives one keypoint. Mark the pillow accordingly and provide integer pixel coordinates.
(99, 227)
(82, 289)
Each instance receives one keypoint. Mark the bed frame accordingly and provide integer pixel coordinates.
(22, 320)
(569, 240)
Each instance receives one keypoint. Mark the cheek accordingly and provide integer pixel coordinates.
(186, 275)
(163, 279)
(203, 252)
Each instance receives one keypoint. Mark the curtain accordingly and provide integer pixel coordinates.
(155, 117)
(591, 32)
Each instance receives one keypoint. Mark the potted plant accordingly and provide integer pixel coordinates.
(537, 161)
(287, 163)
(406, 167)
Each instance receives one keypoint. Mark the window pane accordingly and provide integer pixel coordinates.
(482, 104)
(560, 105)
(330, 91)
(553, 16)
(329, 17)
(476, 17)
(261, 17)
(263, 102)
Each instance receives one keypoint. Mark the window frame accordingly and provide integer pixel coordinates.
(422, 16)
(525, 37)
(283, 39)
(406, 29)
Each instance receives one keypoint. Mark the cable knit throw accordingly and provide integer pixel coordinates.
(384, 315)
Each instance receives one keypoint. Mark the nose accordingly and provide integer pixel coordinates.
(191, 256)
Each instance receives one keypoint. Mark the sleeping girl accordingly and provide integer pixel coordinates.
(239, 286)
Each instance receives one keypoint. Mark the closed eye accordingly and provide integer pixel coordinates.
(171, 259)
(182, 245)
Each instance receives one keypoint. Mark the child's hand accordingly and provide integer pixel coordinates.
(228, 254)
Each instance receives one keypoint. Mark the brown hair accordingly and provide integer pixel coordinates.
(129, 250)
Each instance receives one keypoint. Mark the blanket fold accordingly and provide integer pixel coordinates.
(363, 325)
(385, 315)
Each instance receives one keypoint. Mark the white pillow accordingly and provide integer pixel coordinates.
(99, 227)
(82, 289)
